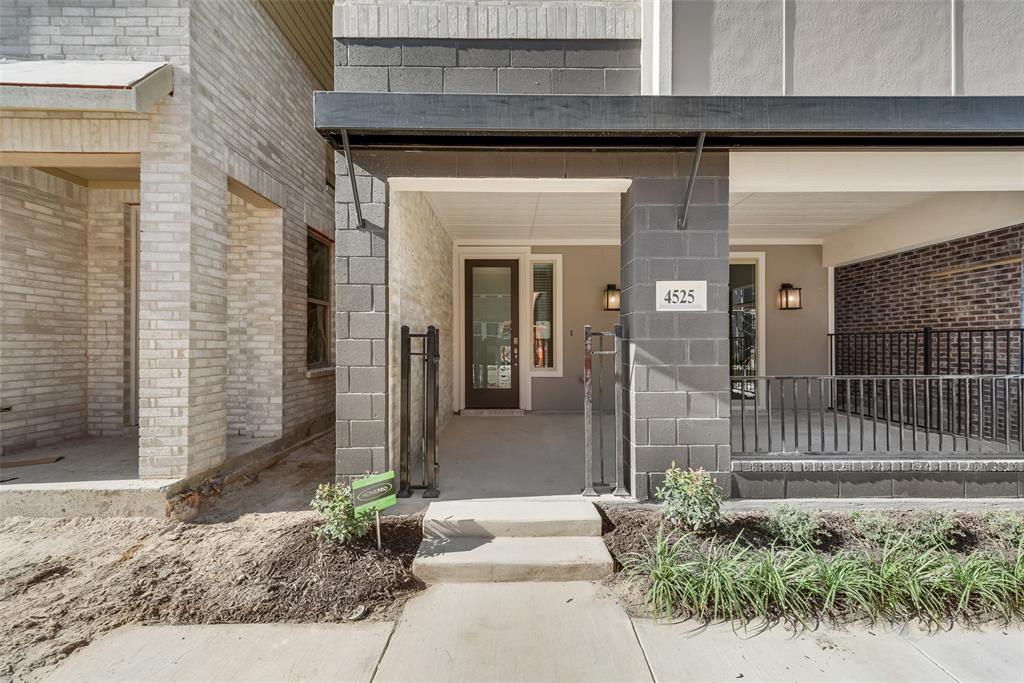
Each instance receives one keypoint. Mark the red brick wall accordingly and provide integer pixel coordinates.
(899, 292)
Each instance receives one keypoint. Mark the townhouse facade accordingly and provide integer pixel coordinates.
(805, 217)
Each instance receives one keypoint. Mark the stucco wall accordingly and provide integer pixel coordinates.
(847, 47)
(586, 271)
(419, 294)
(796, 342)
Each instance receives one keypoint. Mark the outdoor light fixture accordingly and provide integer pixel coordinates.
(789, 297)
(612, 297)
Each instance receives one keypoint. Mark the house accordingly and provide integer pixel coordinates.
(805, 217)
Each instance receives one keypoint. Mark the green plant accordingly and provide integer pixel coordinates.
(1005, 526)
(717, 581)
(920, 531)
(877, 528)
(341, 523)
(794, 527)
(933, 529)
(690, 498)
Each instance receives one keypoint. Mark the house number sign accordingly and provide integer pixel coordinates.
(681, 295)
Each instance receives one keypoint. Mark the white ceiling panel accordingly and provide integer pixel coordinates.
(528, 215)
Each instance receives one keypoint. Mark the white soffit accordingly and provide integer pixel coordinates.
(876, 171)
(85, 85)
(510, 185)
(810, 215)
(517, 217)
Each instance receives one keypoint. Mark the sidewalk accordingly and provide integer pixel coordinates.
(539, 632)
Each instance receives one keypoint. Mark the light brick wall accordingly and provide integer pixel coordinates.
(63, 344)
(250, 120)
(108, 295)
(254, 315)
(43, 308)
(419, 294)
(258, 129)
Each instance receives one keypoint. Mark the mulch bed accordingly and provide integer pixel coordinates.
(633, 530)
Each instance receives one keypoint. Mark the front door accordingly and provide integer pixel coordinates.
(492, 333)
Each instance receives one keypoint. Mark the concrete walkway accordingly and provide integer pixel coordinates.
(571, 631)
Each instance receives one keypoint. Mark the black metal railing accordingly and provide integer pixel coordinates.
(928, 351)
(835, 414)
(430, 358)
(618, 487)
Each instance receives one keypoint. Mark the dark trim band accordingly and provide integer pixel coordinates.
(403, 119)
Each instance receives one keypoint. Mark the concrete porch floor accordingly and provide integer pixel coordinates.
(96, 476)
(536, 455)
(106, 461)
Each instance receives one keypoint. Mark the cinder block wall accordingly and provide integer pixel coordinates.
(430, 65)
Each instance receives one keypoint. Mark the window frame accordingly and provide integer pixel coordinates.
(557, 317)
(312, 232)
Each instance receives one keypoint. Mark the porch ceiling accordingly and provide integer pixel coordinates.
(810, 215)
(528, 216)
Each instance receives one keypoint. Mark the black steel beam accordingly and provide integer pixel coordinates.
(433, 120)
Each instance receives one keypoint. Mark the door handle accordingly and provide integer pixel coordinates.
(515, 351)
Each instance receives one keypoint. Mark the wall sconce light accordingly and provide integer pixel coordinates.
(612, 298)
(789, 297)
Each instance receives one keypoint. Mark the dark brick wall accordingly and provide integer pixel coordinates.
(565, 67)
(901, 292)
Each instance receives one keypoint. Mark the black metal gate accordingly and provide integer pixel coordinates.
(615, 354)
(430, 357)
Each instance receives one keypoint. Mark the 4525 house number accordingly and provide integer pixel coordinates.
(681, 295)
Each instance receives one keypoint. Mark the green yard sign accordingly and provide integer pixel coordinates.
(374, 493)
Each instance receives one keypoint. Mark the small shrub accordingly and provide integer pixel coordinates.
(341, 524)
(690, 498)
(877, 528)
(934, 529)
(794, 527)
(921, 531)
(1006, 527)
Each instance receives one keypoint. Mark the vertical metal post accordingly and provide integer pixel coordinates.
(588, 409)
(600, 410)
(430, 412)
(404, 490)
(620, 464)
(927, 350)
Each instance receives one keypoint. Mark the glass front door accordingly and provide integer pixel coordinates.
(492, 334)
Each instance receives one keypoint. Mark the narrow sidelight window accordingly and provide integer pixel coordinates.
(543, 346)
(318, 300)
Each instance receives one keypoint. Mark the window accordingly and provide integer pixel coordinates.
(318, 300)
(546, 303)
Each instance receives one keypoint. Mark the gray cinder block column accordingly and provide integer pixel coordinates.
(360, 323)
(677, 401)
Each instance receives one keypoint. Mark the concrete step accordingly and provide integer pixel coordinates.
(467, 559)
(494, 519)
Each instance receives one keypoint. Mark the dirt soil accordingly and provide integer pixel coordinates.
(250, 557)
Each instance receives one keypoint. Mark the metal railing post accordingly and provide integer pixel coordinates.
(620, 464)
(588, 408)
(432, 358)
(404, 490)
